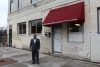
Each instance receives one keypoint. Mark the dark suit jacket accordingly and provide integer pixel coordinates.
(36, 45)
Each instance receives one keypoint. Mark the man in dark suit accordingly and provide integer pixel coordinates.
(35, 47)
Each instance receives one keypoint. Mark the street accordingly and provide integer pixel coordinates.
(23, 59)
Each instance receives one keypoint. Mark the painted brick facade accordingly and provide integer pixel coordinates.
(87, 50)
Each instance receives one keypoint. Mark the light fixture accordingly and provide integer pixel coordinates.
(77, 24)
(32, 25)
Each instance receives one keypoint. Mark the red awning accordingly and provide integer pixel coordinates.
(70, 13)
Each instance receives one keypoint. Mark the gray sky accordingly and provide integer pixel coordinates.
(3, 13)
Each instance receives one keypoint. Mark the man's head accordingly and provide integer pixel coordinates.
(34, 35)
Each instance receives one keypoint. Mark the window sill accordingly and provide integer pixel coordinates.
(21, 34)
(75, 41)
(19, 8)
(36, 2)
(37, 34)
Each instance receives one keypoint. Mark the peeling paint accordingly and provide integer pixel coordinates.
(15, 37)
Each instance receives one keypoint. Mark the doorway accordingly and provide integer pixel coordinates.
(10, 37)
(57, 38)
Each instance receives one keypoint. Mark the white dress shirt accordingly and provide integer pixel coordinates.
(34, 40)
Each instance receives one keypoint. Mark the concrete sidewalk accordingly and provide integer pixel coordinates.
(24, 60)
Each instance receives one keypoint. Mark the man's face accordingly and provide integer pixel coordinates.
(34, 35)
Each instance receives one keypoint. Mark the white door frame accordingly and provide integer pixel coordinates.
(56, 27)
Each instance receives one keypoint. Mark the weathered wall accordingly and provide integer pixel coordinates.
(22, 41)
(87, 50)
(26, 5)
(78, 50)
(95, 37)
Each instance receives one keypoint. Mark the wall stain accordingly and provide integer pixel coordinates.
(15, 37)
(64, 30)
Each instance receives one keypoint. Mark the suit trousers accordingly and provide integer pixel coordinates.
(35, 54)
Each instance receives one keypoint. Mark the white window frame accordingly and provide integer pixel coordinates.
(33, 2)
(11, 5)
(98, 19)
(69, 33)
(22, 28)
(36, 27)
(19, 4)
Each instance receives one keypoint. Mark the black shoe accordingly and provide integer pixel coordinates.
(33, 62)
(38, 63)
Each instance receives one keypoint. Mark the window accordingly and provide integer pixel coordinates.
(98, 11)
(19, 4)
(36, 26)
(22, 28)
(75, 32)
(33, 1)
(33, 27)
(11, 5)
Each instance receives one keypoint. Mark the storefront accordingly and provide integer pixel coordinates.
(73, 16)
(67, 27)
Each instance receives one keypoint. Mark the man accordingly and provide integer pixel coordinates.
(35, 47)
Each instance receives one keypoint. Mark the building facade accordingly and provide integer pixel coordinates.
(74, 33)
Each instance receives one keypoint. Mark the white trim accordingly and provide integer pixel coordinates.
(19, 5)
(43, 7)
(36, 27)
(36, 33)
(21, 34)
(60, 21)
(34, 2)
(30, 28)
(22, 28)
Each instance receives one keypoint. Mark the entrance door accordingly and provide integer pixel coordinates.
(10, 37)
(57, 37)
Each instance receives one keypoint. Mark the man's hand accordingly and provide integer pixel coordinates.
(30, 50)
